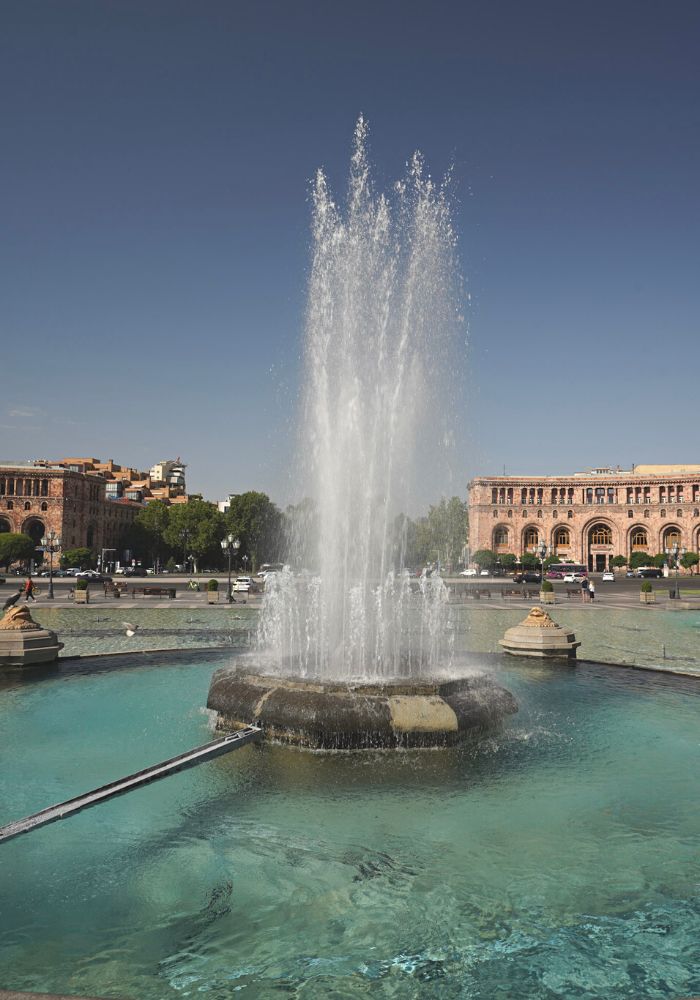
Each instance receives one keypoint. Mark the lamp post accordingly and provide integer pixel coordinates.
(230, 545)
(245, 564)
(542, 553)
(676, 552)
(51, 543)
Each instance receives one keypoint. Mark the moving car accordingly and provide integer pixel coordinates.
(574, 577)
(468, 572)
(650, 572)
(608, 576)
(484, 572)
(93, 576)
(244, 585)
(529, 576)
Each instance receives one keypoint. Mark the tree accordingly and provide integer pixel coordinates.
(484, 558)
(689, 559)
(617, 562)
(447, 526)
(15, 548)
(638, 559)
(77, 557)
(195, 529)
(257, 522)
(508, 561)
(659, 560)
(529, 560)
(146, 536)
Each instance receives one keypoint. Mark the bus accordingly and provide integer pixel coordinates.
(557, 571)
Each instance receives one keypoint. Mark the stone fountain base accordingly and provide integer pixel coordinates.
(24, 643)
(337, 716)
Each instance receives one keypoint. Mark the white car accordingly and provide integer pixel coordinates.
(243, 585)
(608, 576)
(573, 578)
(468, 572)
(485, 572)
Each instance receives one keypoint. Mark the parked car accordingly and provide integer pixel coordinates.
(244, 585)
(93, 576)
(468, 572)
(528, 576)
(72, 571)
(608, 576)
(650, 572)
(485, 572)
(631, 572)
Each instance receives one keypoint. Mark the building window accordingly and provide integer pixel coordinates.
(500, 537)
(589, 495)
(27, 506)
(555, 514)
(539, 513)
(639, 539)
(524, 513)
(532, 536)
(679, 513)
(662, 512)
(570, 514)
(10, 505)
(696, 512)
(44, 505)
(672, 536)
(495, 513)
(510, 513)
(601, 535)
(630, 513)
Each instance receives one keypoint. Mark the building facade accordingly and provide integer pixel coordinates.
(164, 481)
(36, 499)
(588, 517)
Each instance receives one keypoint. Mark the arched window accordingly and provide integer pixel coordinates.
(510, 513)
(640, 539)
(647, 513)
(601, 534)
(44, 505)
(672, 536)
(570, 514)
(5, 525)
(662, 512)
(555, 514)
(495, 513)
(679, 513)
(500, 537)
(27, 505)
(10, 505)
(696, 512)
(524, 513)
(539, 513)
(532, 537)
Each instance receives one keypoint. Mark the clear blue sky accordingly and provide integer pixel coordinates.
(155, 164)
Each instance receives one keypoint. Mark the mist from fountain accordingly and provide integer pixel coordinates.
(381, 320)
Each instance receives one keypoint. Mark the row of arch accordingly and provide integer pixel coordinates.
(36, 529)
(596, 543)
(10, 505)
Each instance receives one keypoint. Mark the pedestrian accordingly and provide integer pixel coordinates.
(584, 588)
(29, 590)
(591, 590)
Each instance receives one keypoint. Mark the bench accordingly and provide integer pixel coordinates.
(154, 592)
(574, 592)
(506, 592)
(115, 589)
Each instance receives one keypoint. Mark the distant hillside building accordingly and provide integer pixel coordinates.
(165, 481)
(588, 517)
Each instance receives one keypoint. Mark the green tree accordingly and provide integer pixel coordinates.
(195, 529)
(146, 536)
(484, 558)
(529, 560)
(659, 560)
(617, 562)
(15, 547)
(447, 526)
(78, 557)
(689, 559)
(258, 524)
(508, 561)
(638, 559)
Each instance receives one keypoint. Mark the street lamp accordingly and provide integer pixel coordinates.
(51, 542)
(542, 553)
(676, 553)
(230, 545)
(245, 564)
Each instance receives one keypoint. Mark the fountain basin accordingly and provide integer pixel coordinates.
(354, 716)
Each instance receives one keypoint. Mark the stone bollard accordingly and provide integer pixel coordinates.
(538, 635)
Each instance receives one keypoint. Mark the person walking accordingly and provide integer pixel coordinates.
(584, 588)
(29, 590)
(591, 590)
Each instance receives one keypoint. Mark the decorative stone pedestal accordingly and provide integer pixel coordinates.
(23, 642)
(539, 636)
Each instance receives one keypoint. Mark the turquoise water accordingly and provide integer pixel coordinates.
(557, 859)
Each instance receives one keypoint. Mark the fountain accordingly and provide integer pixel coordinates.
(354, 652)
